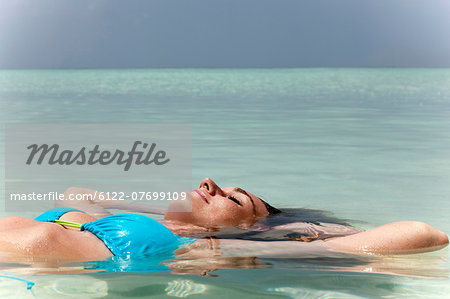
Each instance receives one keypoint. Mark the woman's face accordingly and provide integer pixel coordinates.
(213, 206)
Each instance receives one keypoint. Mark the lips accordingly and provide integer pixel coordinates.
(202, 195)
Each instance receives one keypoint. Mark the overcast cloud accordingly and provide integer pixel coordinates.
(231, 33)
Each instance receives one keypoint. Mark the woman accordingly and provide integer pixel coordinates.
(74, 235)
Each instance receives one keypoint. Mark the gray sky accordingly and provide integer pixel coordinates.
(226, 33)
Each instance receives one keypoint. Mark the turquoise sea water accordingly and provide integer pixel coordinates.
(370, 145)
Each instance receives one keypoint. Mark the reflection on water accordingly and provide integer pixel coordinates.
(73, 287)
(183, 288)
(430, 264)
(206, 266)
(50, 287)
(321, 277)
(302, 293)
(13, 288)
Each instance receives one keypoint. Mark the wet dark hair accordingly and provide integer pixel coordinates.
(262, 230)
(290, 215)
(272, 210)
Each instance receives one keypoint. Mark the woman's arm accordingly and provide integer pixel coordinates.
(393, 238)
(262, 249)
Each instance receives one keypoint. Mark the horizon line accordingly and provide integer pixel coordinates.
(224, 68)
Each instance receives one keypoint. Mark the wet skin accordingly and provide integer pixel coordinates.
(214, 207)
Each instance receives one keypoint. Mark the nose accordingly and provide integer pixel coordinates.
(210, 186)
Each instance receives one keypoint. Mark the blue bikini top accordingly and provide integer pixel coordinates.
(125, 235)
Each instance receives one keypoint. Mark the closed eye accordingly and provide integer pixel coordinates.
(234, 199)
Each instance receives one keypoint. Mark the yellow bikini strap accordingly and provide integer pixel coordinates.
(68, 223)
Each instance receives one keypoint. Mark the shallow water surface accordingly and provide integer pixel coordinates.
(370, 145)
